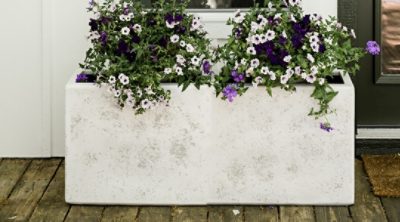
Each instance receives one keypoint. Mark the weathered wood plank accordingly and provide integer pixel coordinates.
(296, 214)
(29, 190)
(392, 208)
(189, 214)
(11, 170)
(120, 214)
(367, 207)
(333, 214)
(261, 214)
(225, 214)
(84, 213)
(52, 206)
(151, 214)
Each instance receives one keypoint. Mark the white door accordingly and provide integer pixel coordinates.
(24, 90)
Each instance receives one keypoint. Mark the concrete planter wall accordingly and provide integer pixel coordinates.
(202, 150)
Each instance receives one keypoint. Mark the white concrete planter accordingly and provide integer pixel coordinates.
(202, 150)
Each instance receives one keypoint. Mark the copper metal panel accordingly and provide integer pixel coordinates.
(390, 36)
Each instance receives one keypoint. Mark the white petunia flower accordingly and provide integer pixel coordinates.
(353, 34)
(117, 93)
(278, 16)
(255, 63)
(294, 2)
(270, 5)
(125, 31)
(179, 71)
(251, 51)
(121, 76)
(112, 7)
(130, 16)
(182, 43)
(289, 72)
(311, 78)
(146, 104)
(314, 39)
(345, 29)
(174, 38)
(137, 28)
(112, 79)
(249, 71)
(195, 61)
(270, 35)
(292, 18)
(314, 70)
(239, 18)
(315, 47)
(196, 24)
(254, 26)
(255, 39)
(303, 75)
(263, 38)
(122, 18)
(170, 25)
(287, 58)
(243, 61)
(284, 79)
(257, 81)
(321, 81)
(189, 48)
(167, 71)
(284, 35)
(264, 70)
(124, 80)
(272, 75)
(310, 58)
(180, 59)
(297, 70)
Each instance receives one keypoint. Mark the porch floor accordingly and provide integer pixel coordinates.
(33, 190)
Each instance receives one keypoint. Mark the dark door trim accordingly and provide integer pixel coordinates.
(380, 77)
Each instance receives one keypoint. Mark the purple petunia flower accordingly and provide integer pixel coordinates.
(206, 67)
(282, 40)
(237, 77)
(82, 77)
(238, 33)
(230, 92)
(173, 19)
(135, 38)
(103, 38)
(326, 127)
(373, 48)
(126, 11)
(180, 29)
(93, 25)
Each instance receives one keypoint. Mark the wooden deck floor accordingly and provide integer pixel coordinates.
(33, 190)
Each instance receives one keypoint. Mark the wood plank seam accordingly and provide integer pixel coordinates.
(66, 214)
(383, 207)
(19, 179)
(138, 213)
(45, 190)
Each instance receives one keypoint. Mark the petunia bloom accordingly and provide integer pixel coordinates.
(230, 93)
(373, 48)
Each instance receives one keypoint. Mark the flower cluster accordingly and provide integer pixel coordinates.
(134, 50)
(279, 46)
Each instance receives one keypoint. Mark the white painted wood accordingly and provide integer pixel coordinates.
(202, 150)
(24, 130)
(378, 133)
